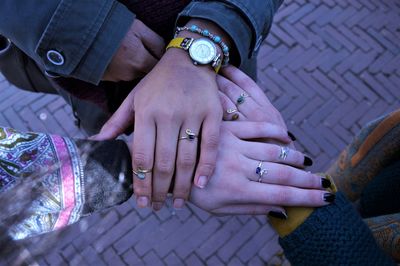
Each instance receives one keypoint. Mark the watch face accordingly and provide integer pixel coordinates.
(203, 51)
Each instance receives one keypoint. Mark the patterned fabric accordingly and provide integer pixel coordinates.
(364, 173)
(53, 166)
(386, 230)
(376, 147)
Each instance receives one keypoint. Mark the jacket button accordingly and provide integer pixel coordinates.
(55, 57)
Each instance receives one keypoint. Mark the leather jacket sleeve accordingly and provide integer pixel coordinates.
(67, 37)
(247, 22)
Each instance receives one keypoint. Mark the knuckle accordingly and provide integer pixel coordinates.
(258, 115)
(142, 160)
(187, 161)
(165, 167)
(285, 175)
(142, 190)
(159, 197)
(207, 167)
(212, 141)
(281, 197)
(182, 192)
(271, 153)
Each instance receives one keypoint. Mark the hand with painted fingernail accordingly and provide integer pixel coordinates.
(254, 177)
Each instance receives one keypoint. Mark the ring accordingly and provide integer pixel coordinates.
(260, 171)
(242, 97)
(141, 173)
(233, 111)
(189, 135)
(284, 153)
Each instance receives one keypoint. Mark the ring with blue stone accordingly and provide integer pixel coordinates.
(260, 171)
(242, 98)
(141, 173)
(189, 135)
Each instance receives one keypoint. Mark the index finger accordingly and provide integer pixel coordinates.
(208, 150)
(119, 121)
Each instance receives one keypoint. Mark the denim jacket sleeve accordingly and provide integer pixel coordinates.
(67, 37)
(247, 22)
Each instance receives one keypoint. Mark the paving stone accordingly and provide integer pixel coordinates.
(151, 258)
(242, 236)
(212, 244)
(131, 258)
(111, 258)
(120, 229)
(197, 238)
(138, 232)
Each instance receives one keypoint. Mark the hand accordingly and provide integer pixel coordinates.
(233, 188)
(256, 107)
(173, 97)
(138, 53)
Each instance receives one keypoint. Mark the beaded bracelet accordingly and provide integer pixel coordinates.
(215, 38)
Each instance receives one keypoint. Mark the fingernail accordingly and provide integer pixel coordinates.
(325, 182)
(291, 136)
(202, 181)
(179, 203)
(157, 205)
(307, 161)
(329, 197)
(280, 215)
(142, 202)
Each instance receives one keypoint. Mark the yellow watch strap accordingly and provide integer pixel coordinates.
(177, 43)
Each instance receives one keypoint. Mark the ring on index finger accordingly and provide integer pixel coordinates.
(141, 173)
(189, 135)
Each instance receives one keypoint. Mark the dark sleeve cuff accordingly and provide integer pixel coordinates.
(333, 235)
(228, 19)
(86, 34)
(247, 22)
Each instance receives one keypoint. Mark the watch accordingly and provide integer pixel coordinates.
(202, 51)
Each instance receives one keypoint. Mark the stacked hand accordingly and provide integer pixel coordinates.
(174, 109)
(236, 187)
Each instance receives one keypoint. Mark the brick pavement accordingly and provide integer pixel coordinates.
(328, 66)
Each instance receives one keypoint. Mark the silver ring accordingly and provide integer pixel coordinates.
(242, 98)
(231, 110)
(234, 112)
(260, 171)
(189, 135)
(141, 173)
(284, 152)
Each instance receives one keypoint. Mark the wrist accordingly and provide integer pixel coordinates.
(179, 58)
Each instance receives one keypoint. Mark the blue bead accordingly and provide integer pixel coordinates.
(225, 49)
(193, 28)
(205, 33)
(217, 39)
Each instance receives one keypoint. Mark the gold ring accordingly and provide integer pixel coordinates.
(141, 173)
(234, 112)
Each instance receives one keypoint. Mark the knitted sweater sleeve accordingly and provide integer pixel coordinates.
(333, 235)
